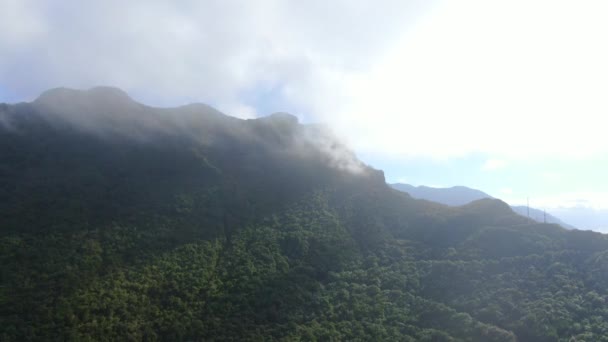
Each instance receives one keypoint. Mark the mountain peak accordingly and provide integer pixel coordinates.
(100, 91)
(282, 126)
(105, 92)
(60, 97)
(283, 117)
(454, 196)
(489, 203)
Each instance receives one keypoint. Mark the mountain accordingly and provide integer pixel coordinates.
(121, 221)
(540, 216)
(454, 196)
(585, 217)
(461, 195)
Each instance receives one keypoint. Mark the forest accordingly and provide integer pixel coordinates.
(135, 223)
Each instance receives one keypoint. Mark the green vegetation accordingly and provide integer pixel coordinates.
(261, 236)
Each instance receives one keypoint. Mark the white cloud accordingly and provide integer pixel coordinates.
(551, 176)
(238, 110)
(215, 51)
(493, 164)
(568, 200)
(20, 24)
(506, 191)
(517, 79)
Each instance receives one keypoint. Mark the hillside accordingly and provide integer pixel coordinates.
(461, 195)
(122, 221)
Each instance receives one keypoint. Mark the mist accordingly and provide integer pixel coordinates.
(111, 114)
(403, 65)
(398, 81)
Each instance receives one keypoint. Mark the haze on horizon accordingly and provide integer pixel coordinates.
(504, 97)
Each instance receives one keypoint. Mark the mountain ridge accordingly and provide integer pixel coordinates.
(453, 196)
(462, 195)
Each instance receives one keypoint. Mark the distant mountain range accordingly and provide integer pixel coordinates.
(454, 196)
(461, 195)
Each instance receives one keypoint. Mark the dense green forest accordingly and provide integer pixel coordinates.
(124, 222)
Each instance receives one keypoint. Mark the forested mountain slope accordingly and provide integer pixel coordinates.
(121, 221)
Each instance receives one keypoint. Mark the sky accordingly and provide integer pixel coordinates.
(505, 96)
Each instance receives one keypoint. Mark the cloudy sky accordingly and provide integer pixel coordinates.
(505, 96)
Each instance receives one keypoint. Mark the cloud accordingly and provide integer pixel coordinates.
(506, 191)
(504, 79)
(192, 50)
(493, 164)
(596, 200)
(442, 79)
(584, 217)
(551, 176)
(239, 110)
